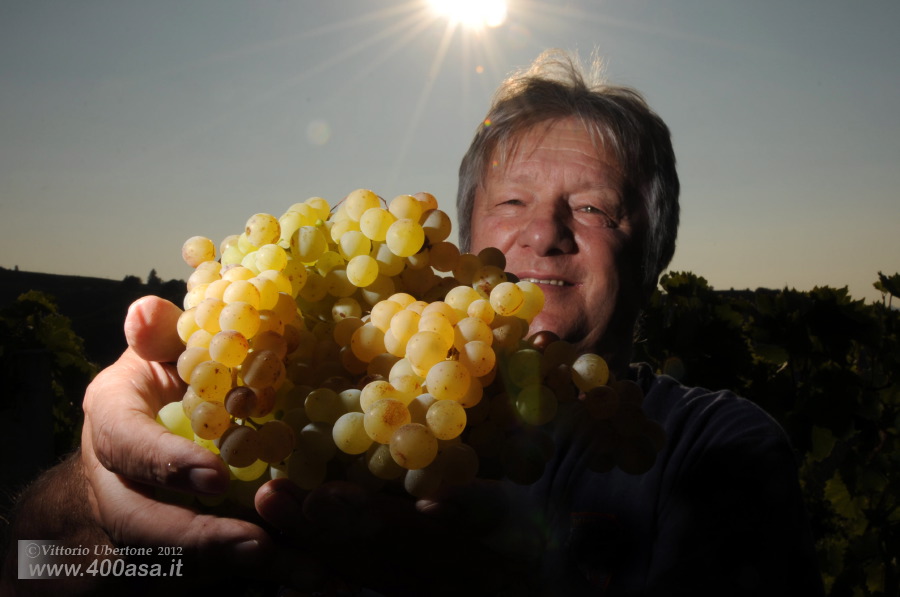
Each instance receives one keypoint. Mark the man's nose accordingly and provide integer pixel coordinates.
(547, 230)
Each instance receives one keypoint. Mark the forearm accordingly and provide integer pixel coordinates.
(55, 507)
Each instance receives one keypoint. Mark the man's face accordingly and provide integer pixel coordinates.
(557, 210)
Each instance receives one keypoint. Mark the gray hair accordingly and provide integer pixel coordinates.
(555, 87)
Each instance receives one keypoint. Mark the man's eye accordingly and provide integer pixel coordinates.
(598, 214)
(511, 202)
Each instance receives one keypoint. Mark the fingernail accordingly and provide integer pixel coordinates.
(248, 553)
(207, 480)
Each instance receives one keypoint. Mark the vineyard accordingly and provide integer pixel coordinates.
(826, 366)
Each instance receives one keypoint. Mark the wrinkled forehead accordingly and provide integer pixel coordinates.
(520, 142)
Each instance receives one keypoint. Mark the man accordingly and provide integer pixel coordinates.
(577, 186)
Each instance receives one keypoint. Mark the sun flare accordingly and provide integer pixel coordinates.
(472, 13)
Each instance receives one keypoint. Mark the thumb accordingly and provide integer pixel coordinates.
(151, 329)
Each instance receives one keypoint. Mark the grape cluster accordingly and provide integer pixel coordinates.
(360, 343)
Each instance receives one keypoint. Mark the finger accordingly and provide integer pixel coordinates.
(120, 410)
(132, 517)
(150, 329)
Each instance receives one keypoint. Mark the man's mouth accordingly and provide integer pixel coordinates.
(547, 281)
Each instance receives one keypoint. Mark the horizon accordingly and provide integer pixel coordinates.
(129, 128)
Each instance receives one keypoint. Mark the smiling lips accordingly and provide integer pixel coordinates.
(546, 281)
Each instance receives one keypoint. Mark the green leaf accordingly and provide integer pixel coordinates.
(822, 443)
(845, 505)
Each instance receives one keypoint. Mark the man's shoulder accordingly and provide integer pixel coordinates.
(718, 414)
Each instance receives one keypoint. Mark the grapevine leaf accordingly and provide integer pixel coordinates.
(845, 505)
(822, 443)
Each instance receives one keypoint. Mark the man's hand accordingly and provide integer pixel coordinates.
(126, 453)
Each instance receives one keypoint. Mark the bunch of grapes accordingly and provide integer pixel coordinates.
(359, 343)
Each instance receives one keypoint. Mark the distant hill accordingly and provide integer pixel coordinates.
(96, 306)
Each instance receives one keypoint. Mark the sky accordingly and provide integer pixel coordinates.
(128, 126)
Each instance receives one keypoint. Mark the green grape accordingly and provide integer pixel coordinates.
(470, 329)
(315, 288)
(405, 237)
(382, 314)
(362, 270)
(478, 357)
(534, 300)
(211, 380)
(242, 291)
(240, 402)
(418, 408)
(350, 434)
(359, 201)
(389, 263)
(424, 482)
(262, 229)
(404, 324)
(346, 307)
(239, 446)
(271, 257)
(267, 289)
(444, 256)
(507, 298)
(186, 324)
(316, 440)
(344, 329)
(413, 446)
(202, 277)
(384, 417)
(321, 207)
(189, 402)
(437, 225)
(307, 244)
(261, 369)
(197, 250)
(323, 406)
(229, 348)
(273, 341)
(251, 472)
(350, 400)
(209, 420)
(276, 441)
(446, 419)
(375, 222)
(536, 404)
(237, 272)
(524, 367)
(338, 283)
(486, 278)
(172, 417)
(240, 317)
(459, 299)
(367, 342)
(589, 371)
(466, 268)
(381, 464)
(353, 243)
(448, 380)
(378, 290)
(406, 207)
(439, 324)
(188, 361)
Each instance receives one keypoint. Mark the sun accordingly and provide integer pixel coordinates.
(475, 14)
